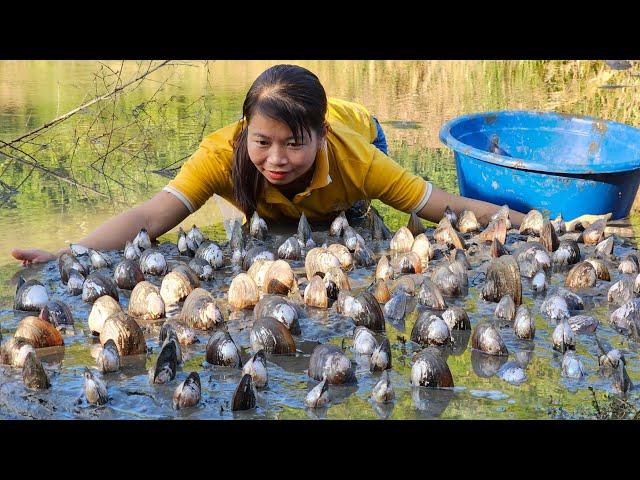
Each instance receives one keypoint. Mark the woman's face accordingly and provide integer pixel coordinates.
(276, 153)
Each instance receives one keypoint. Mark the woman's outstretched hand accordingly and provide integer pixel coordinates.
(32, 255)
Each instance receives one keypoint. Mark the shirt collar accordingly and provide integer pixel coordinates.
(321, 178)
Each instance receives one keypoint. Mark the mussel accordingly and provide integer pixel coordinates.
(621, 291)
(363, 256)
(39, 333)
(429, 369)
(583, 275)
(98, 259)
(381, 357)
(315, 295)
(383, 391)
(338, 225)
(605, 248)
(109, 359)
(186, 245)
(487, 339)
(142, 239)
(415, 225)
(94, 388)
(96, 285)
(396, 308)
(272, 336)
(290, 249)
(365, 310)
(175, 286)
(127, 274)
(257, 227)
(523, 326)
(447, 281)
(244, 396)
(152, 262)
(131, 251)
(318, 261)
(343, 254)
(422, 247)
(467, 222)
(279, 278)
(563, 337)
(200, 310)
(571, 365)
(629, 265)
(379, 230)
(281, 309)
(506, 309)
(125, 333)
(430, 296)
(57, 313)
(503, 278)
(352, 238)
(328, 361)
(318, 396)
(594, 233)
(532, 223)
(30, 296)
(222, 350)
(14, 352)
(305, 233)
(567, 253)
(402, 240)
(548, 237)
(243, 292)
(583, 324)
(202, 268)
(211, 253)
(336, 281)
(496, 230)
(555, 307)
(102, 309)
(256, 366)
(188, 393)
(259, 252)
(75, 283)
(381, 291)
(447, 235)
(68, 263)
(602, 272)
(364, 341)
(430, 329)
(146, 302)
(34, 375)
(166, 365)
(456, 318)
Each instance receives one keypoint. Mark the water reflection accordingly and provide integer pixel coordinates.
(431, 402)
(485, 365)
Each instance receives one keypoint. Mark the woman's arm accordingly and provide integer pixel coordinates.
(158, 215)
(439, 199)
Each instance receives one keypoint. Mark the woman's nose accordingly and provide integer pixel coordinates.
(277, 156)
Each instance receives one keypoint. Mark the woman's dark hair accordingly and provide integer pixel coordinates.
(290, 94)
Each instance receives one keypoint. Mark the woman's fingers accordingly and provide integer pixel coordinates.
(32, 255)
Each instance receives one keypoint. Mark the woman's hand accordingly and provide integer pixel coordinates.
(32, 255)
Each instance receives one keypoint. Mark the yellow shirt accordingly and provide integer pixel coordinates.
(350, 168)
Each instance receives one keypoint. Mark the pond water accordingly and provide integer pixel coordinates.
(111, 150)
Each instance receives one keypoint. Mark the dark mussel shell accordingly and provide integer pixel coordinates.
(594, 233)
(304, 230)
(34, 375)
(430, 295)
(127, 274)
(396, 308)
(167, 364)
(415, 225)
(290, 249)
(506, 309)
(379, 230)
(363, 256)
(244, 397)
(96, 285)
(503, 278)
(200, 310)
(272, 336)
(31, 296)
(257, 226)
(497, 249)
(211, 253)
(222, 350)
(281, 309)
(621, 292)
(381, 357)
(329, 361)
(430, 329)
(75, 283)
(256, 253)
(58, 313)
(338, 225)
(68, 262)
(202, 269)
(366, 311)
(567, 253)
(447, 281)
(548, 237)
(602, 272)
(487, 339)
(429, 369)
(456, 318)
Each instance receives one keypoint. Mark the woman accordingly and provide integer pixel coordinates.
(293, 151)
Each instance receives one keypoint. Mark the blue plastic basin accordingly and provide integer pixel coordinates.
(556, 163)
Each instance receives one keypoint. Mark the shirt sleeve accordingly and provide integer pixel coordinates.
(206, 172)
(394, 185)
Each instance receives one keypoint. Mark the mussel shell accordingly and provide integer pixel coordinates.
(34, 375)
(604, 248)
(257, 227)
(523, 326)
(497, 249)
(188, 272)
(503, 278)
(244, 397)
(583, 275)
(125, 333)
(318, 261)
(396, 308)
(94, 388)
(222, 350)
(200, 310)
(188, 393)
(352, 238)
(211, 253)
(602, 272)
(497, 229)
(384, 270)
(366, 311)
(290, 249)
(146, 301)
(338, 224)
(532, 223)
(256, 253)
(75, 283)
(625, 318)
(68, 262)
(281, 309)
(363, 256)
(343, 254)
(329, 361)
(364, 341)
(555, 307)
(430, 295)
(304, 229)
(152, 262)
(31, 296)
(131, 251)
(237, 241)
(429, 369)
(567, 253)
(381, 291)
(422, 247)
(448, 282)
(102, 309)
(383, 391)
(96, 285)
(15, 351)
(548, 237)
(127, 274)
(196, 235)
(256, 366)
(202, 269)
(583, 324)
(408, 262)
(402, 240)
(415, 225)
(98, 259)
(379, 230)
(315, 295)
(430, 329)
(447, 235)
(166, 364)
(39, 333)
(381, 357)
(338, 280)
(467, 222)
(563, 337)
(175, 286)
(487, 339)
(574, 302)
(258, 271)
(506, 309)
(456, 318)
(571, 365)
(58, 313)
(279, 278)
(243, 292)
(594, 233)
(272, 336)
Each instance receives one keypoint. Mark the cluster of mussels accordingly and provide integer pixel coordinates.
(424, 269)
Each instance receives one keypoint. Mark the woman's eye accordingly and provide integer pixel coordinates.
(262, 143)
(295, 145)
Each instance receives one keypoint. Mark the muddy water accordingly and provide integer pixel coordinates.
(478, 391)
